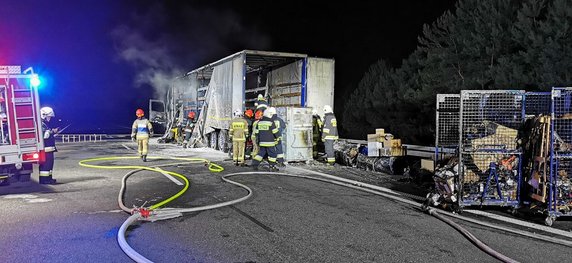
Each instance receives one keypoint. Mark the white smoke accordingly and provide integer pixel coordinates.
(163, 44)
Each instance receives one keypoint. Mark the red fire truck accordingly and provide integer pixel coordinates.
(21, 141)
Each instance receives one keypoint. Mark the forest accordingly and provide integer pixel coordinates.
(484, 45)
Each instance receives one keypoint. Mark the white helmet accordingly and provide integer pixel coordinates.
(267, 113)
(237, 113)
(260, 97)
(314, 112)
(47, 112)
(271, 111)
(328, 109)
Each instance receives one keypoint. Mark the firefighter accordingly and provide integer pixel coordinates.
(248, 116)
(329, 134)
(47, 166)
(141, 130)
(238, 132)
(316, 132)
(254, 134)
(281, 125)
(266, 132)
(261, 103)
(189, 127)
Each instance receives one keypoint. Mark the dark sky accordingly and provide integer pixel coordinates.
(102, 59)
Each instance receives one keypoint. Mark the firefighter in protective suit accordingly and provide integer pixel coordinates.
(261, 103)
(238, 132)
(254, 133)
(281, 125)
(267, 133)
(141, 130)
(329, 134)
(46, 167)
(316, 132)
(189, 127)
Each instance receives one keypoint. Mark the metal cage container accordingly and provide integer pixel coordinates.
(447, 124)
(490, 171)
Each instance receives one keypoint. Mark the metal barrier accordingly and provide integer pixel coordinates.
(71, 138)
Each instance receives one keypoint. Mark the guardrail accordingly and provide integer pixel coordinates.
(415, 150)
(70, 138)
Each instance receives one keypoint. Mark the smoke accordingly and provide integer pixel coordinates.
(162, 41)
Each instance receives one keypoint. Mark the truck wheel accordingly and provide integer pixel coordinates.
(223, 141)
(213, 140)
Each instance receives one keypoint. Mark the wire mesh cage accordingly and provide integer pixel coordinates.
(447, 125)
(537, 103)
(490, 179)
(560, 196)
(489, 150)
(447, 120)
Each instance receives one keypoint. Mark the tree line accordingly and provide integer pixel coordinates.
(487, 45)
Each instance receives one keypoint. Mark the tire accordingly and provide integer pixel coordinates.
(223, 141)
(213, 142)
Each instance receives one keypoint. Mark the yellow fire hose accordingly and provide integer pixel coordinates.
(212, 167)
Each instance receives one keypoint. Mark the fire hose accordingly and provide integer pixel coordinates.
(155, 214)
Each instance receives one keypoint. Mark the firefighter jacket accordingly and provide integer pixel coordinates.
(254, 134)
(330, 130)
(280, 124)
(49, 137)
(142, 128)
(238, 129)
(189, 125)
(317, 127)
(266, 132)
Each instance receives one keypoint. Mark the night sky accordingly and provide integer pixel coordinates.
(102, 59)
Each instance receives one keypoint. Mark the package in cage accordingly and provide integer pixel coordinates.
(490, 179)
(492, 118)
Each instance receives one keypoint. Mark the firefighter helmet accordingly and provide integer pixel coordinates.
(47, 112)
(314, 112)
(271, 111)
(248, 113)
(191, 115)
(328, 109)
(260, 97)
(139, 113)
(258, 115)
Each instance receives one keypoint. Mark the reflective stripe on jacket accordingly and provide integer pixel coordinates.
(142, 128)
(330, 130)
(267, 132)
(238, 129)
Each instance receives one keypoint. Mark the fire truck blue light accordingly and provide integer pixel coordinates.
(35, 81)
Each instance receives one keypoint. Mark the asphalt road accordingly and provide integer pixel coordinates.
(286, 220)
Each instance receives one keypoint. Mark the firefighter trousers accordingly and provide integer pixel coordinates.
(264, 151)
(329, 148)
(238, 151)
(142, 145)
(46, 168)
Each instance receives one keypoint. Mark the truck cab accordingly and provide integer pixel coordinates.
(21, 141)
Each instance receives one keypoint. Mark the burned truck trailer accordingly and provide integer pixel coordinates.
(215, 90)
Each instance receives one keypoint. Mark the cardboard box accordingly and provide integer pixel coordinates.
(372, 149)
(372, 137)
(428, 164)
(395, 143)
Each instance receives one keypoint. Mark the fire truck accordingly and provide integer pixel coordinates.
(21, 141)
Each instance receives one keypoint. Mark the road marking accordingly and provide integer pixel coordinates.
(127, 147)
(169, 176)
(38, 200)
(23, 196)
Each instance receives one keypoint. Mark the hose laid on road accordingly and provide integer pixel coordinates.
(335, 180)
